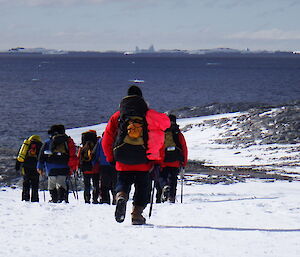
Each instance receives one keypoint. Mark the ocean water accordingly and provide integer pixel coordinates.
(38, 91)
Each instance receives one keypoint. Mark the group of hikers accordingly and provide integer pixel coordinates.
(139, 145)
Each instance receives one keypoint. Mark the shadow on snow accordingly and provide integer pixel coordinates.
(226, 228)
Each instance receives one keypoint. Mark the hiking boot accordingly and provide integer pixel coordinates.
(95, 197)
(67, 196)
(25, 196)
(87, 197)
(136, 216)
(62, 195)
(165, 193)
(34, 200)
(54, 196)
(121, 200)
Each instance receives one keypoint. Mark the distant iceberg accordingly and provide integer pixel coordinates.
(137, 80)
(38, 50)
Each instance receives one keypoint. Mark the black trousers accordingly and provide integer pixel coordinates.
(168, 176)
(141, 182)
(87, 186)
(108, 180)
(30, 181)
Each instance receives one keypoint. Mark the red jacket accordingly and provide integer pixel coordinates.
(157, 123)
(73, 160)
(177, 164)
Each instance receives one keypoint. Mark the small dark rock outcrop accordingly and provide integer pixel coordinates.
(8, 175)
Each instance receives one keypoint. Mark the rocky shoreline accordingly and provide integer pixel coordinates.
(262, 124)
(197, 172)
(8, 175)
(277, 128)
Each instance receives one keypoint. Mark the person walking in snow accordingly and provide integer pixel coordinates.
(88, 168)
(132, 140)
(57, 159)
(175, 157)
(108, 176)
(27, 161)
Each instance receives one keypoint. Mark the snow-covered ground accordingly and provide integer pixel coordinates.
(243, 219)
(255, 218)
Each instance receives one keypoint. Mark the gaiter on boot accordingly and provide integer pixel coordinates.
(136, 215)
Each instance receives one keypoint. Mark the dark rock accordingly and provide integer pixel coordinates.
(8, 175)
(214, 108)
(264, 125)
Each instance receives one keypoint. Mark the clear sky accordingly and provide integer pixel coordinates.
(167, 24)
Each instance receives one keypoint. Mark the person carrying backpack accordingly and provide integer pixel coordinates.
(132, 141)
(89, 170)
(57, 159)
(175, 157)
(108, 175)
(27, 160)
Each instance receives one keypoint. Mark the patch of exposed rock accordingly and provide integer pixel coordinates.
(262, 126)
(219, 108)
(259, 125)
(8, 175)
(197, 172)
(214, 108)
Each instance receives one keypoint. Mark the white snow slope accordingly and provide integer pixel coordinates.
(245, 219)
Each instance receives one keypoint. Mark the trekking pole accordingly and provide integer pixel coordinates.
(152, 197)
(182, 171)
(72, 188)
(75, 182)
(155, 172)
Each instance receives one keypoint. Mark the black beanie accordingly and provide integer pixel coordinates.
(135, 90)
(59, 129)
(172, 118)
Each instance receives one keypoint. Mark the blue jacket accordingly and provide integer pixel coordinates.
(99, 155)
(50, 166)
